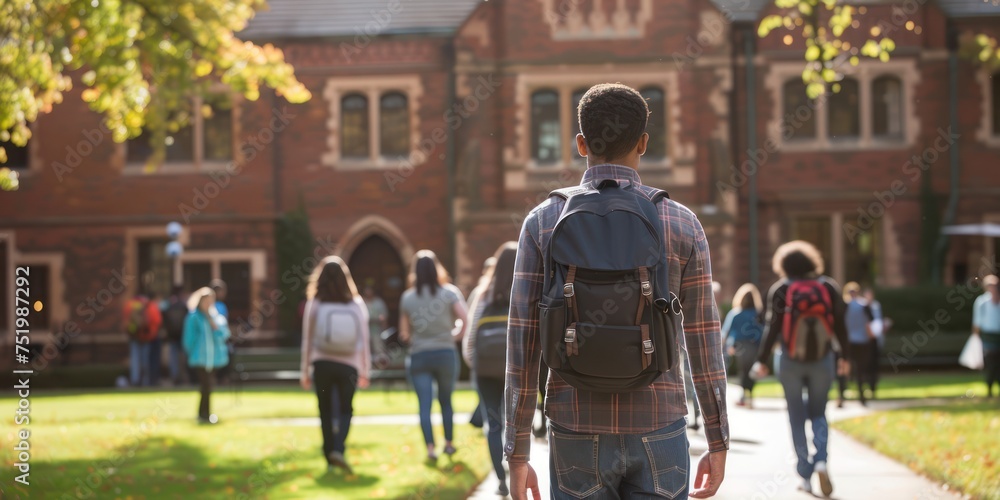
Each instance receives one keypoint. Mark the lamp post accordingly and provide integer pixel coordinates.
(174, 250)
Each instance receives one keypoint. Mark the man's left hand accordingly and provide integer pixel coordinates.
(711, 471)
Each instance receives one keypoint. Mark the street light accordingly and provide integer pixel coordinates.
(174, 250)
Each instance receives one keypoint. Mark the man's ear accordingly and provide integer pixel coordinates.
(640, 147)
(581, 145)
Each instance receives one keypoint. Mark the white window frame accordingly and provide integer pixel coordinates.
(373, 88)
(865, 73)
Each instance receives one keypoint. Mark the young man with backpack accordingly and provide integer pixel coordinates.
(805, 312)
(604, 275)
(142, 324)
(174, 313)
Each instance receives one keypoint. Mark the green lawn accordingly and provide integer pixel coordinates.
(958, 443)
(135, 445)
(903, 386)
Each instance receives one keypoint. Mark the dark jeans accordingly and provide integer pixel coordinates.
(205, 381)
(816, 378)
(746, 355)
(335, 384)
(424, 370)
(491, 394)
(625, 466)
(155, 352)
(860, 356)
(991, 367)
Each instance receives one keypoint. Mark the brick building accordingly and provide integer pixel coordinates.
(439, 124)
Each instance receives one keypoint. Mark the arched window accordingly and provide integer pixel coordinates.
(887, 107)
(843, 117)
(995, 87)
(545, 134)
(799, 114)
(576, 98)
(394, 125)
(656, 126)
(354, 126)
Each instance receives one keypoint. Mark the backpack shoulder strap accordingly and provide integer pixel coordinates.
(566, 192)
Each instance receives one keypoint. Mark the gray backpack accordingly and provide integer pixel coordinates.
(336, 328)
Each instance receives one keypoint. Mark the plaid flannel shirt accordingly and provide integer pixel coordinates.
(663, 402)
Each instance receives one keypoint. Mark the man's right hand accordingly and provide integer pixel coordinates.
(523, 479)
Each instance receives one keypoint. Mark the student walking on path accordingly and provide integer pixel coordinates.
(485, 350)
(743, 332)
(336, 354)
(205, 335)
(805, 311)
(617, 420)
(858, 319)
(430, 309)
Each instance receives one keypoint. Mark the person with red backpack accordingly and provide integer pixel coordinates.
(805, 312)
(142, 320)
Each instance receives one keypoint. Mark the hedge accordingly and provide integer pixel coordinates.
(920, 308)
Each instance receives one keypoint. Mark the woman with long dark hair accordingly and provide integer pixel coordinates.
(335, 344)
(430, 308)
(485, 349)
(743, 331)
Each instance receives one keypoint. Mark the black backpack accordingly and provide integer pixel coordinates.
(173, 319)
(491, 341)
(606, 318)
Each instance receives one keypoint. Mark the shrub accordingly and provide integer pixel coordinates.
(910, 307)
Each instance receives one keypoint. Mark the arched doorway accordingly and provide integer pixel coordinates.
(376, 262)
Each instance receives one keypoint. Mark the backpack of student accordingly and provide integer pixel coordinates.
(491, 341)
(606, 317)
(808, 322)
(135, 322)
(337, 327)
(173, 319)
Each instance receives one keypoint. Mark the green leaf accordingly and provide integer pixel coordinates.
(812, 53)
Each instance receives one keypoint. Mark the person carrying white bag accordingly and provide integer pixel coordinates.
(986, 328)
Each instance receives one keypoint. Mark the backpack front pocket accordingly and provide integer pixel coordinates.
(608, 351)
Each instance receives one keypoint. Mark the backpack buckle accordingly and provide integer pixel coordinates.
(570, 335)
(647, 288)
(647, 347)
(568, 290)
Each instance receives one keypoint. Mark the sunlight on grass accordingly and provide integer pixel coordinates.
(148, 445)
(958, 444)
(903, 386)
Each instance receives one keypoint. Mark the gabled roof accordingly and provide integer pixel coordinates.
(327, 18)
(749, 10)
(969, 8)
(741, 10)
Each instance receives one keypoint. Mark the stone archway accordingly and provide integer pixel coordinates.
(378, 254)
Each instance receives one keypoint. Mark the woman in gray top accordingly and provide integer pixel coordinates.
(430, 309)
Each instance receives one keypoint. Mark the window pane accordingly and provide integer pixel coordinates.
(17, 156)
(576, 98)
(843, 113)
(196, 275)
(887, 107)
(799, 116)
(995, 82)
(39, 291)
(545, 126)
(816, 230)
(139, 149)
(394, 125)
(154, 266)
(218, 128)
(656, 126)
(237, 278)
(861, 255)
(180, 145)
(354, 126)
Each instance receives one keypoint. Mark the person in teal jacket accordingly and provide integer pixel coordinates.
(205, 334)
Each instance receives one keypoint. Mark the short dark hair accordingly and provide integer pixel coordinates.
(612, 119)
(796, 260)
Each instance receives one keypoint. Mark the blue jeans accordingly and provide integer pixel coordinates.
(176, 356)
(816, 378)
(155, 353)
(139, 362)
(491, 394)
(423, 370)
(620, 466)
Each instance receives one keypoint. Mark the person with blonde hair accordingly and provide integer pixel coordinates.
(429, 310)
(858, 317)
(335, 344)
(743, 331)
(204, 339)
(805, 311)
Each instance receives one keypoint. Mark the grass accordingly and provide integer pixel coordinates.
(147, 445)
(958, 444)
(902, 386)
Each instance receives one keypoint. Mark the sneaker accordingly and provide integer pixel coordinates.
(502, 490)
(449, 450)
(806, 486)
(336, 459)
(824, 478)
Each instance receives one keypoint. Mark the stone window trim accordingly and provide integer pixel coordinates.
(567, 22)
(865, 74)
(58, 310)
(985, 132)
(373, 88)
(564, 84)
(199, 164)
